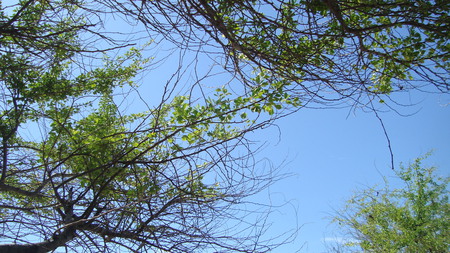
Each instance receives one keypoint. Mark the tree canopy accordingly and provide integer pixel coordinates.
(410, 219)
(325, 52)
(80, 169)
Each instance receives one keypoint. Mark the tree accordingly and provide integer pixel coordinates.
(327, 52)
(415, 218)
(79, 171)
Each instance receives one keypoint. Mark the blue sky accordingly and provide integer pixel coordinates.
(333, 153)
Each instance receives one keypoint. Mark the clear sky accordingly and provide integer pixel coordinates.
(333, 153)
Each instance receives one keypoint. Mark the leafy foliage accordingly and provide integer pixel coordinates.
(411, 219)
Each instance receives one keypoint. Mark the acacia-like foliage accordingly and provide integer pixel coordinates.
(411, 219)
